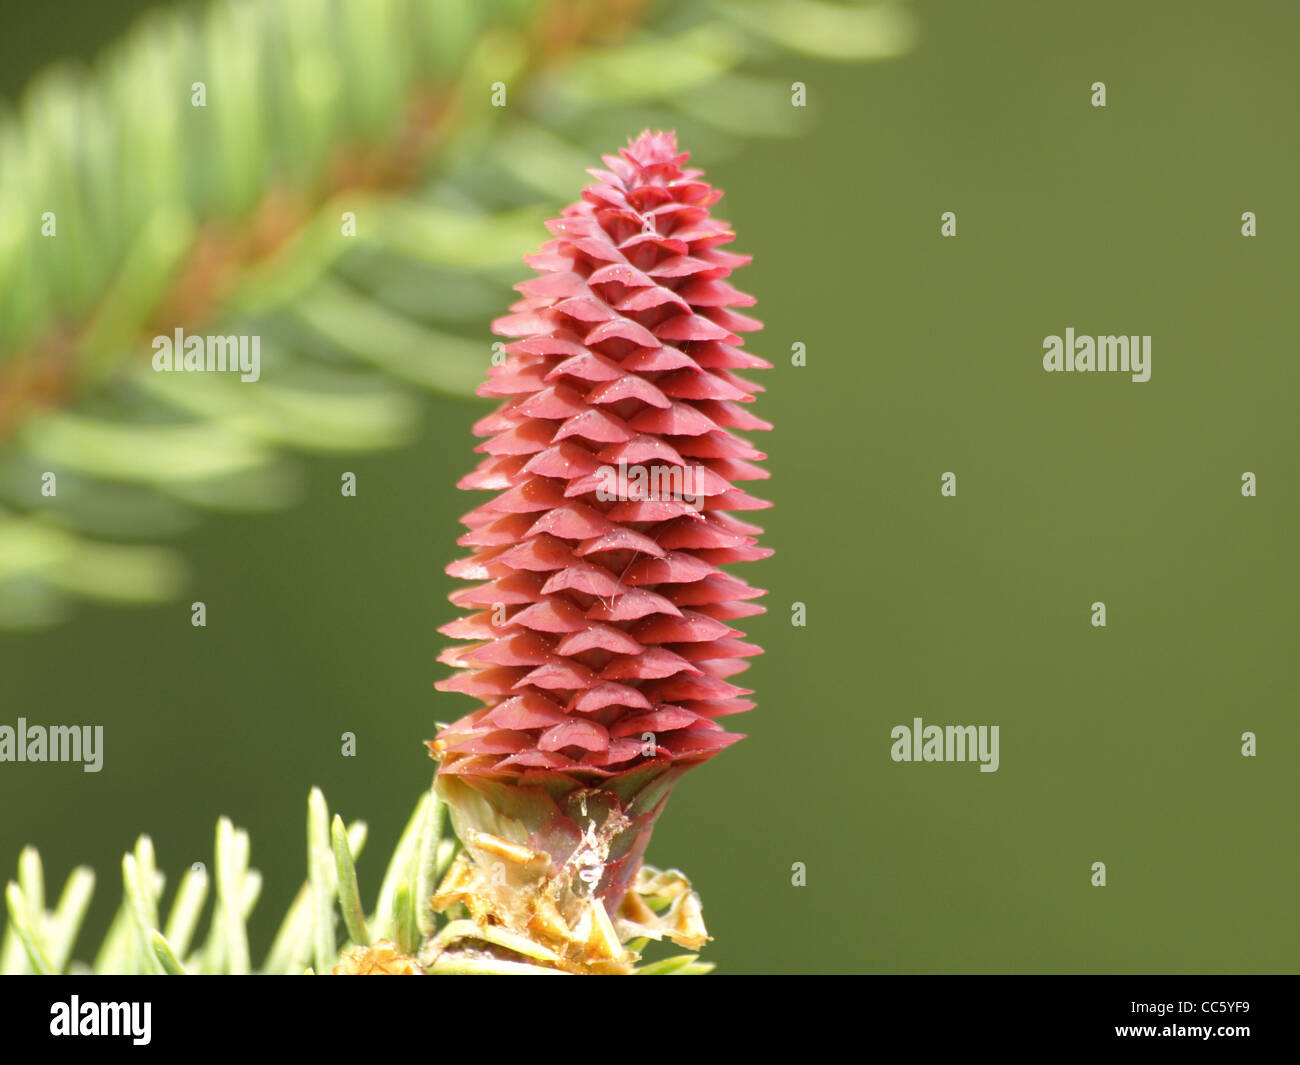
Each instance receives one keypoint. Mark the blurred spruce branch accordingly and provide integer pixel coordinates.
(225, 219)
(325, 930)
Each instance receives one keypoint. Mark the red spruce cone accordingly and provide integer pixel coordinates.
(603, 623)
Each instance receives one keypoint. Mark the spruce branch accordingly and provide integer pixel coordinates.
(232, 227)
(386, 942)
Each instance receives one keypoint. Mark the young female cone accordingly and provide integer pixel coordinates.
(602, 621)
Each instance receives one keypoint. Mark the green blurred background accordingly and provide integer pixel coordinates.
(1119, 745)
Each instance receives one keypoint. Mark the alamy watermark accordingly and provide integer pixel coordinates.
(1071, 354)
(213, 354)
(53, 743)
(655, 483)
(77, 1018)
(946, 743)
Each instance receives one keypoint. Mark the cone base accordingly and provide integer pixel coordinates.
(660, 905)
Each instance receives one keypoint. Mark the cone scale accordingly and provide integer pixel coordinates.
(602, 621)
